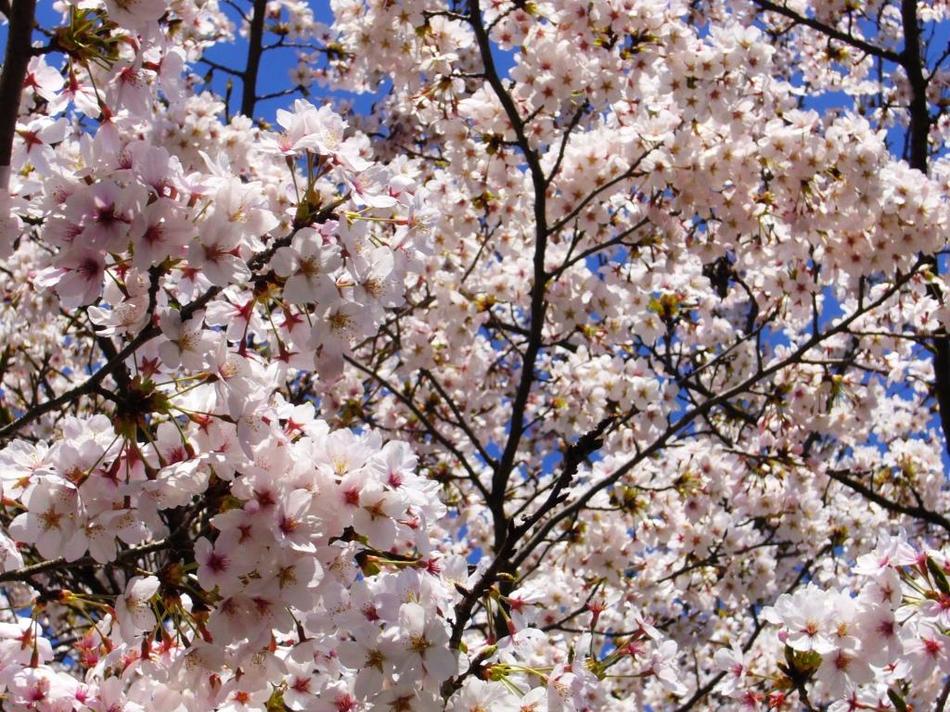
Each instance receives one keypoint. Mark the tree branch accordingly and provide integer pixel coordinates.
(27, 572)
(910, 59)
(699, 411)
(476, 443)
(408, 402)
(151, 331)
(918, 512)
(254, 52)
(830, 31)
(15, 63)
(538, 304)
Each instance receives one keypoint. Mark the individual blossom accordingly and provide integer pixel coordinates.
(732, 662)
(216, 253)
(77, 276)
(105, 211)
(420, 646)
(926, 651)
(136, 14)
(308, 264)
(35, 141)
(51, 520)
(186, 343)
(45, 81)
(803, 616)
(158, 232)
(133, 609)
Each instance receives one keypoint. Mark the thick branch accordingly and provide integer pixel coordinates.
(913, 65)
(254, 52)
(942, 700)
(538, 303)
(918, 137)
(11, 80)
(585, 446)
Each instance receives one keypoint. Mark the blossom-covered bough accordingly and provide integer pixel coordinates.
(601, 364)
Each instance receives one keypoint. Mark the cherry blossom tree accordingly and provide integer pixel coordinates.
(602, 364)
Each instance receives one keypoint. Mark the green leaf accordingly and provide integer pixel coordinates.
(807, 661)
(938, 576)
(897, 701)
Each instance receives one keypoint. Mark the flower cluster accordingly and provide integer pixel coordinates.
(884, 643)
(600, 364)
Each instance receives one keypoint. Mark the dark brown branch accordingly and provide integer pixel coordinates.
(830, 31)
(538, 304)
(254, 51)
(221, 67)
(580, 610)
(280, 93)
(918, 141)
(410, 404)
(944, 694)
(912, 62)
(586, 445)
(27, 572)
(463, 609)
(917, 512)
(460, 418)
(15, 63)
(237, 8)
